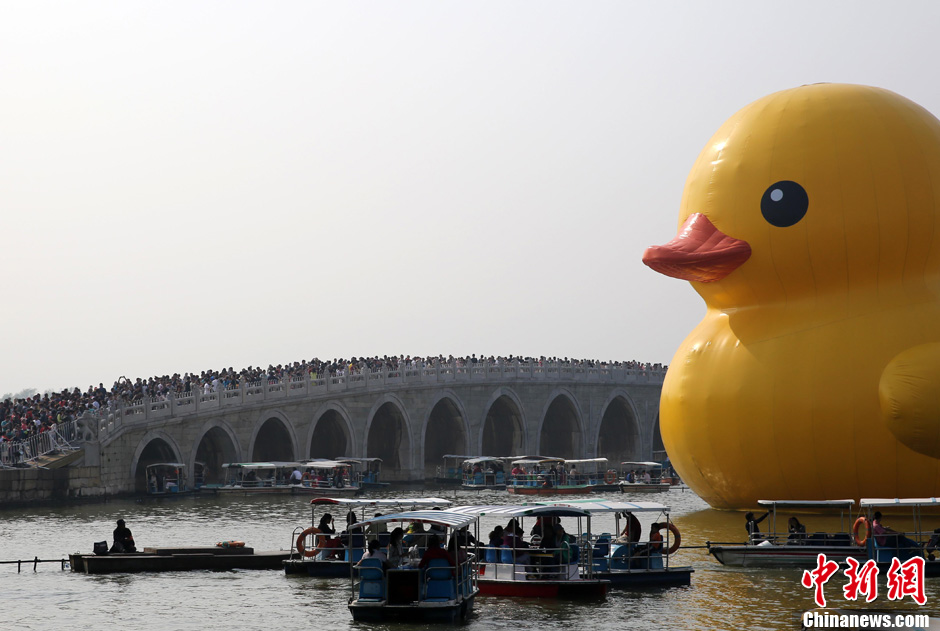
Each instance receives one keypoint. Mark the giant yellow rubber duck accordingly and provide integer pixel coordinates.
(810, 225)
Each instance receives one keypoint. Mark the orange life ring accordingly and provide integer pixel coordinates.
(610, 477)
(300, 542)
(676, 538)
(859, 522)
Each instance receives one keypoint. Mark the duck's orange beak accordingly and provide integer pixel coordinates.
(700, 252)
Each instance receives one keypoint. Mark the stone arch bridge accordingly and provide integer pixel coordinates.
(409, 418)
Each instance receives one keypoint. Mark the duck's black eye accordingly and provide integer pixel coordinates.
(784, 204)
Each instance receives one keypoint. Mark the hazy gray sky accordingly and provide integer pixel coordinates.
(193, 185)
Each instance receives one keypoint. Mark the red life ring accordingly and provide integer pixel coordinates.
(610, 477)
(300, 542)
(676, 538)
(859, 522)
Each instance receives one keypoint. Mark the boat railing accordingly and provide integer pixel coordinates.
(535, 479)
(565, 563)
(484, 478)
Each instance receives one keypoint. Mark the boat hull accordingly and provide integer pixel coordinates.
(642, 487)
(177, 560)
(667, 577)
(321, 569)
(483, 487)
(782, 556)
(414, 612)
(555, 490)
(544, 588)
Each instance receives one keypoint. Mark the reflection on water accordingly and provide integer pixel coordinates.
(719, 597)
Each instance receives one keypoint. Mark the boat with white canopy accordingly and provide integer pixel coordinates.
(549, 565)
(792, 547)
(484, 473)
(621, 557)
(633, 477)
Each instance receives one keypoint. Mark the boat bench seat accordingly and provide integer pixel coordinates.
(371, 581)
(438, 579)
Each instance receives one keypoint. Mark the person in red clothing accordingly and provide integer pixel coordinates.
(435, 551)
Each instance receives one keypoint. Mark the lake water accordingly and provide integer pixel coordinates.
(49, 598)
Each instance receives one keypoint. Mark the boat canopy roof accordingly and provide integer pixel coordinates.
(511, 510)
(439, 517)
(172, 465)
(322, 463)
(414, 502)
(482, 459)
(808, 503)
(261, 465)
(587, 461)
(648, 463)
(903, 501)
(537, 460)
(593, 506)
(457, 456)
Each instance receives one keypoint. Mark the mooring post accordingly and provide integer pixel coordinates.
(35, 563)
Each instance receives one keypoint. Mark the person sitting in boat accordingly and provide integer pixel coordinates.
(374, 530)
(631, 476)
(513, 539)
(296, 476)
(457, 548)
(753, 530)
(338, 481)
(545, 482)
(655, 543)
(496, 537)
(632, 530)
(797, 531)
(562, 545)
(886, 537)
(647, 478)
(932, 544)
(416, 536)
(435, 551)
(396, 549)
(375, 552)
(123, 539)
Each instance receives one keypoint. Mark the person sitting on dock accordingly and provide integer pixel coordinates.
(123, 539)
(753, 530)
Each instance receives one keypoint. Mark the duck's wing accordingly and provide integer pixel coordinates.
(909, 392)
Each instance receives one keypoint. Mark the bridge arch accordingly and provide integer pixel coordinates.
(331, 433)
(618, 435)
(444, 431)
(216, 445)
(503, 432)
(156, 446)
(388, 436)
(560, 430)
(273, 438)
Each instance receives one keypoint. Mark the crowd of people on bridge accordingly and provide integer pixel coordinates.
(29, 416)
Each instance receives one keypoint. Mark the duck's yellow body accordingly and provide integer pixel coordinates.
(810, 225)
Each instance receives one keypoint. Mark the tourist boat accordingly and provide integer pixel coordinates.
(592, 473)
(918, 542)
(623, 559)
(439, 592)
(167, 479)
(655, 485)
(543, 476)
(785, 549)
(226, 555)
(484, 473)
(451, 472)
(536, 571)
(328, 478)
(309, 558)
(258, 477)
(365, 471)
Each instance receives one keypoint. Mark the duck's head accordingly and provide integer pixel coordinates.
(821, 188)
